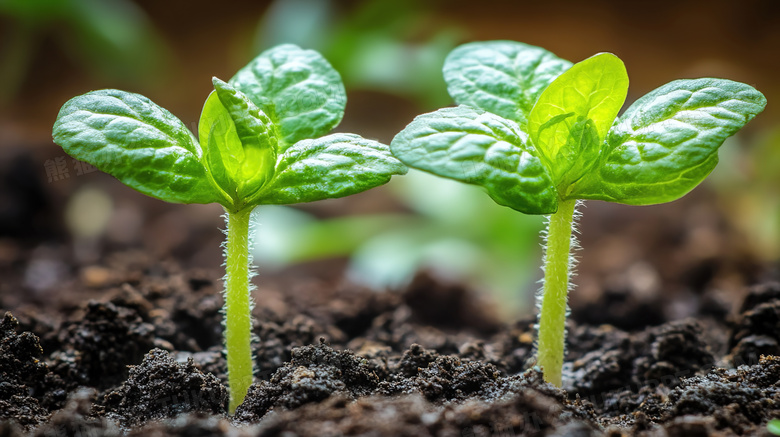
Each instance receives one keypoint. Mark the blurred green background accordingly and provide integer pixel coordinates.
(390, 55)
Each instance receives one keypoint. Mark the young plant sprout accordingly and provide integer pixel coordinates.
(540, 134)
(260, 142)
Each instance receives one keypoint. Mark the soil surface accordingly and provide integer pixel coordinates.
(143, 357)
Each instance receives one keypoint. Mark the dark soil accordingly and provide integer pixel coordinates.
(145, 359)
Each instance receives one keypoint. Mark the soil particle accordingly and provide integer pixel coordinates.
(9, 429)
(162, 388)
(277, 339)
(513, 348)
(614, 375)
(757, 328)
(690, 426)
(313, 374)
(422, 393)
(183, 307)
(621, 307)
(528, 414)
(448, 306)
(98, 348)
(737, 401)
(23, 375)
(77, 419)
(353, 311)
(414, 360)
(398, 329)
(435, 315)
(188, 425)
(442, 378)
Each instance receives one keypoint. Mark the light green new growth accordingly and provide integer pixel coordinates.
(262, 140)
(773, 426)
(539, 133)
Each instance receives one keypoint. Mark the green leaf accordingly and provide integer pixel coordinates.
(667, 142)
(241, 139)
(333, 166)
(138, 142)
(222, 150)
(572, 116)
(502, 77)
(297, 88)
(480, 148)
(773, 426)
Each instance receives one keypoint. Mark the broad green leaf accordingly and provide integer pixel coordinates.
(502, 77)
(138, 142)
(480, 148)
(572, 116)
(333, 166)
(297, 88)
(667, 142)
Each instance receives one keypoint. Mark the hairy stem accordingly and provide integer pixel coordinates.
(238, 307)
(552, 317)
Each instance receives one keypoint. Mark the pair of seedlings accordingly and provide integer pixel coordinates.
(537, 132)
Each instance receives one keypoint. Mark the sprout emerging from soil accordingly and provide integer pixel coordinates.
(262, 140)
(541, 134)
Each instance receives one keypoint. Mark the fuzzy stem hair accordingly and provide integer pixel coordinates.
(558, 267)
(238, 306)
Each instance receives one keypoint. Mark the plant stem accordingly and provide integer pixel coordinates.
(552, 317)
(238, 307)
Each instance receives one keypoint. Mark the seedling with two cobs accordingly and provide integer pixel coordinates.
(260, 142)
(540, 134)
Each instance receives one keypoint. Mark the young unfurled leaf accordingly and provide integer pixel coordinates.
(222, 151)
(336, 165)
(141, 144)
(571, 118)
(593, 89)
(667, 142)
(297, 88)
(502, 77)
(479, 148)
(242, 142)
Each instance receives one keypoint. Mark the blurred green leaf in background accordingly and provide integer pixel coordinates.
(395, 46)
(456, 232)
(748, 186)
(112, 39)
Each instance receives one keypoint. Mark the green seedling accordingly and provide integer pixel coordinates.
(260, 142)
(540, 134)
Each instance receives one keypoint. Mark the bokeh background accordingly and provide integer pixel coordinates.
(61, 220)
